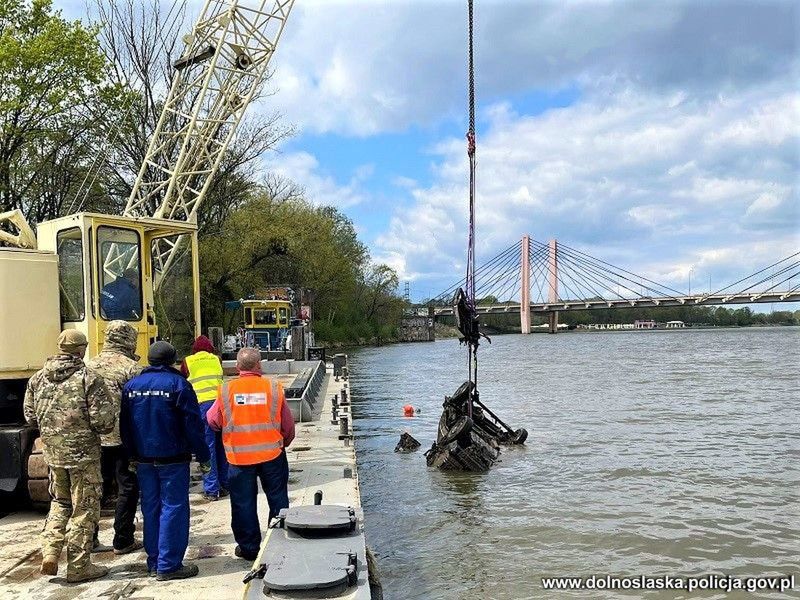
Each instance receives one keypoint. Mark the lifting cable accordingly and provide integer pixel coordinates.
(473, 339)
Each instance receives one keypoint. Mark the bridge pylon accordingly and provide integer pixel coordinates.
(525, 298)
(552, 293)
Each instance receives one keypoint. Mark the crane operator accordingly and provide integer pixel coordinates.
(120, 299)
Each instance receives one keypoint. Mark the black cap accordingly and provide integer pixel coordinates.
(162, 354)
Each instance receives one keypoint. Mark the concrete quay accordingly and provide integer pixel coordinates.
(321, 458)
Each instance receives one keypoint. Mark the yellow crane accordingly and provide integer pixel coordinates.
(83, 270)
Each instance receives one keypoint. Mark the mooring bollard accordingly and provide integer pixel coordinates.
(344, 396)
(343, 425)
(317, 497)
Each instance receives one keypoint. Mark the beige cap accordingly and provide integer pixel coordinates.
(71, 341)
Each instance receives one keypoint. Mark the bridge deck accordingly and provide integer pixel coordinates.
(644, 302)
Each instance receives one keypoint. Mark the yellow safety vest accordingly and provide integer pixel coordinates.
(205, 375)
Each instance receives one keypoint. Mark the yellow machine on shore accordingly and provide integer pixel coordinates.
(83, 270)
(64, 283)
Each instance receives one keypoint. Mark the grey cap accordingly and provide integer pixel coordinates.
(162, 354)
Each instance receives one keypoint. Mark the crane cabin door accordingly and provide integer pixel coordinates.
(123, 279)
(140, 270)
(103, 275)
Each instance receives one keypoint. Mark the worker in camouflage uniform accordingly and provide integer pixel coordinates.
(70, 405)
(117, 364)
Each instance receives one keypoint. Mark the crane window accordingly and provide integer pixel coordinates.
(120, 274)
(283, 316)
(264, 317)
(70, 275)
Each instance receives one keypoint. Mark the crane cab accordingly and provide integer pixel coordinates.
(108, 268)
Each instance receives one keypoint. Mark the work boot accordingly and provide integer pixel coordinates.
(132, 547)
(50, 565)
(223, 493)
(89, 573)
(251, 556)
(211, 497)
(184, 572)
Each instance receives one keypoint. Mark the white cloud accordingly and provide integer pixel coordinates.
(361, 68)
(635, 179)
(320, 187)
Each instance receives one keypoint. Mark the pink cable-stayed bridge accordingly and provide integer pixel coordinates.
(534, 277)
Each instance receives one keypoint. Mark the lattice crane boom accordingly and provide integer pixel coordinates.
(223, 66)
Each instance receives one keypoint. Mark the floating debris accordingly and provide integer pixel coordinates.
(469, 443)
(407, 443)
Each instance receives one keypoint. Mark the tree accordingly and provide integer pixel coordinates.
(273, 240)
(54, 101)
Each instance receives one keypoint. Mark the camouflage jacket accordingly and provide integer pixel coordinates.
(70, 405)
(116, 368)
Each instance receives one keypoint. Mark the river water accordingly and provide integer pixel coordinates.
(650, 453)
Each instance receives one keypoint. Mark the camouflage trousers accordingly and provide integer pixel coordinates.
(74, 514)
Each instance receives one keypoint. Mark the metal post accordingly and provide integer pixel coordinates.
(195, 281)
(525, 298)
(552, 294)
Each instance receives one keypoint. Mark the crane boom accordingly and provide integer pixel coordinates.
(222, 68)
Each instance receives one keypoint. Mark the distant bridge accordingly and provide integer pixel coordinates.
(533, 277)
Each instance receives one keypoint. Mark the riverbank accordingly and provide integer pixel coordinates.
(442, 331)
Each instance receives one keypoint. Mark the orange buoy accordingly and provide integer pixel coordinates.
(408, 410)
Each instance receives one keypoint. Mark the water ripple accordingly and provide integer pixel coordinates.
(655, 453)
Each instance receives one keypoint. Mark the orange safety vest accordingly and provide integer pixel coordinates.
(251, 420)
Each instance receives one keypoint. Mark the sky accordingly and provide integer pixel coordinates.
(663, 137)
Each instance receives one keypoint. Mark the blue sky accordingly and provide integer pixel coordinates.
(387, 164)
(663, 137)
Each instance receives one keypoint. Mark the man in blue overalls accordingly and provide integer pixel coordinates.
(161, 427)
(121, 299)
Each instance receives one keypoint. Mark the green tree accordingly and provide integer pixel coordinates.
(54, 97)
(287, 240)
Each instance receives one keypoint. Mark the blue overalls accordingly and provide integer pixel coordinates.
(161, 427)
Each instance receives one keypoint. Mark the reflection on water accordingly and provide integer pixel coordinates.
(654, 453)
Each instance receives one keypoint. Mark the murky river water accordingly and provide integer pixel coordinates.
(650, 453)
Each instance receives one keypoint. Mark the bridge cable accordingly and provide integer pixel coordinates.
(450, 290)
(618, 271)
(575, 251)
(493, 275)
(607, 274)
(540, 273)
(566, 261)
(597, 275)
(512, 278)
(756, 273)
(510, 262)
(772, 277)
(581, 284)
(510, 266)
(535, 267)
(585, 282)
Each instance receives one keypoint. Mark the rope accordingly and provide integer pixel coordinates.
(471, 151)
